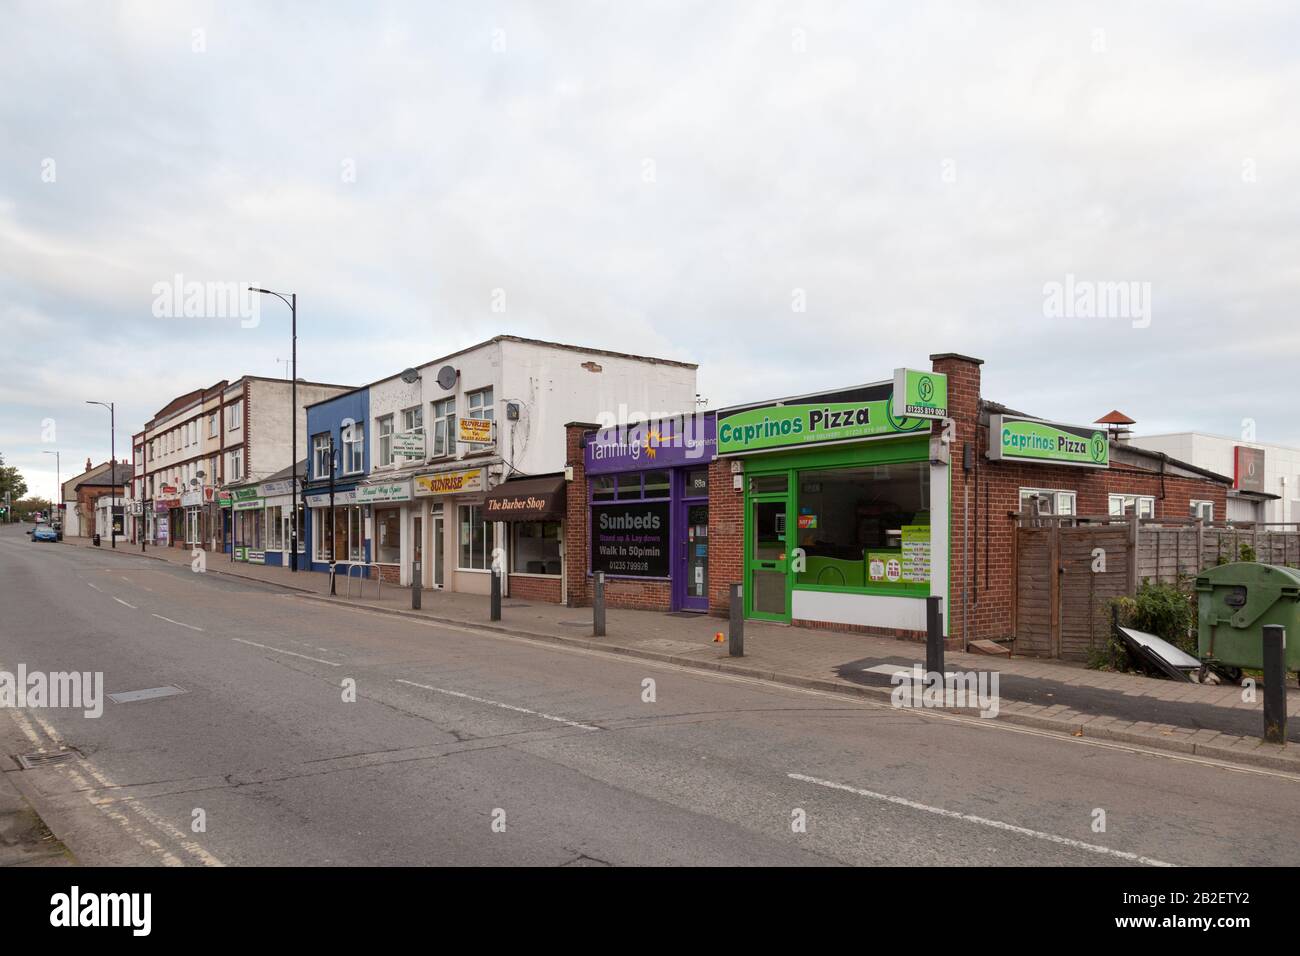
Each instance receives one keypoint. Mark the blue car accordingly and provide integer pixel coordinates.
(43, 532)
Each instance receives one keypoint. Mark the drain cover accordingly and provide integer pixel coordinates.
(34, 761)
(152, 693)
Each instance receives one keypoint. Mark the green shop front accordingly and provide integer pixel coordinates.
(845, 503)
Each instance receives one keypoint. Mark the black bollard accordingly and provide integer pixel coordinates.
(1274, 684)
(598, 606)
(736, 621)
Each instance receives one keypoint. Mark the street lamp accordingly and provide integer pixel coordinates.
(112, 466)
(58, 501)
(292, 303)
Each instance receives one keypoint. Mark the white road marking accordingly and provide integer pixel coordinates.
(982, 821)
(180, 623)
(95, 586)
(1057, 736)
(497, 703)
(278, 650)
(120, 601)
(104, 803)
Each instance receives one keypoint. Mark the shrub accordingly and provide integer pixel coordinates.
(1165, 610)
(1247, 552)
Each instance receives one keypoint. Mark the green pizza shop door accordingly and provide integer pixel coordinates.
(767, 591)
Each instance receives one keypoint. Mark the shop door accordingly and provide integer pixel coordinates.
(767, 588)
(438, 549)
(693, 564)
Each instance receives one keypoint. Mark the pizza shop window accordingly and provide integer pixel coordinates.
(535, 547)
(1202, 509)
(865, 527)
(1046, 501)
(1144, 506)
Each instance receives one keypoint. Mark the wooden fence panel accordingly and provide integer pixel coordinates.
(1034, 573)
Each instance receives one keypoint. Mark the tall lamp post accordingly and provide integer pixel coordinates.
(58, 481)
(112, 466)
(292, 303)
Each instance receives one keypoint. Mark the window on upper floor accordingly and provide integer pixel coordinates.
(479, 404)
(385, 433)
(354, 448)
(320, 455)
(444, 428)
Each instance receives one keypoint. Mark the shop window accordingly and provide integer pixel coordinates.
(388, 534)
(628, 486)
(656, 484)
(476, 539)
(323, 526)
(1202, 509)
(865, 527)
(765, 484)
(444, 427)
(697, 483)
(535, 547)
(602, 488)
(274, 529)
(1144, 506)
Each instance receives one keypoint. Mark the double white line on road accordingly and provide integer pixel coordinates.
(982, 821)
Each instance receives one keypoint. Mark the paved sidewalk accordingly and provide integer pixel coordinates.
(24, 838)
(1207, 720)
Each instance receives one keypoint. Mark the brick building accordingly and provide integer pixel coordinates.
(846, 509)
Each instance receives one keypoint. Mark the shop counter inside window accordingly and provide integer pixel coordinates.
(865, 528)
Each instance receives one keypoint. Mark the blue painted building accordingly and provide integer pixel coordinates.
(336, 430)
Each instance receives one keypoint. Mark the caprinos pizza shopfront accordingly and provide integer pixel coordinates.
(845, 503)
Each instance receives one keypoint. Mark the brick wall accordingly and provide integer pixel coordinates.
(536, 589)
(575, 518)
(982, 591)
(726, 536)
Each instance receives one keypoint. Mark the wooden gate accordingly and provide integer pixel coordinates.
(1066, 574)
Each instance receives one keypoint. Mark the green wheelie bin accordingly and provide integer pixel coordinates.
(1235, 601)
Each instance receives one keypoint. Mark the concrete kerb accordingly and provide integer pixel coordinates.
(1281, 759)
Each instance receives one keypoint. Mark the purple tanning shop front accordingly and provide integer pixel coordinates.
(648, 501)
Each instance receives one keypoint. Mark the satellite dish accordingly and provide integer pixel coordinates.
(410, 376)
(447, 376)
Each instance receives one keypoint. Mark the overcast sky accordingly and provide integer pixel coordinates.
(671, 179)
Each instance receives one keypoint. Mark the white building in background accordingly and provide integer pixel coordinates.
(1266, 477)
(449, 432)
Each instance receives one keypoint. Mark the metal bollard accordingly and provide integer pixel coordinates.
(933, 636)
(1274, 683)
(598, 606)
(333, 574)
(416, 591)
(495, 614)
(736, 621)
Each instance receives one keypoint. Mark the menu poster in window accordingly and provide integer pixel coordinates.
(916, 553)
(630, 539)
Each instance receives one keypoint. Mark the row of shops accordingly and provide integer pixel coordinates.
(843, 508)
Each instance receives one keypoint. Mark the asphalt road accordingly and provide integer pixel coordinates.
(464, 747)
